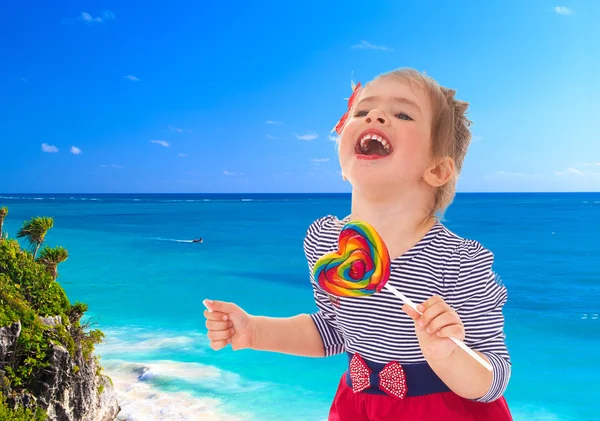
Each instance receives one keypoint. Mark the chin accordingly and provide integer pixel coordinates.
(372, 179)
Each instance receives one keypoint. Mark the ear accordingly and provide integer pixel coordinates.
(440, 172)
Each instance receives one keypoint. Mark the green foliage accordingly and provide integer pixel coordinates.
(28, 292)
(50, 257)
(76, 311)
(91, 338)
(35, 231)
(3, 213)
(37, 287)
(19, 414)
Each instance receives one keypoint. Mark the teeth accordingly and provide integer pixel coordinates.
(367, 137)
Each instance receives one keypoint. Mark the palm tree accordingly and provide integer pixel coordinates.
(3, 213)
(35, 231)
(51, 257)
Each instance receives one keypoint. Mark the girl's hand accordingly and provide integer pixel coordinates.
(437, 323)
(227, 324)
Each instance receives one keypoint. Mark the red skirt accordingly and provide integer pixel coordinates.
(444, 406)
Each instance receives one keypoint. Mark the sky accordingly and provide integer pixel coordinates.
(196, 96)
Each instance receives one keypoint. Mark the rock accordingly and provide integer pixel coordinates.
(8, 342)
(69, 389)
(51, 321)
(4, 384)
(70, 394)
(26, 400)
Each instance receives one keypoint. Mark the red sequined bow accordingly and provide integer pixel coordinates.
(392, 379)
(340, 125)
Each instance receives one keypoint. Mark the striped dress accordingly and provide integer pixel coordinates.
(441, 263)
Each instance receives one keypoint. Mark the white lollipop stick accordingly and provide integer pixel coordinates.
(456, 341)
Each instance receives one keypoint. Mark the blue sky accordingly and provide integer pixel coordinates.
(195, 96)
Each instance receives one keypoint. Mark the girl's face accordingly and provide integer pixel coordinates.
(387, 139)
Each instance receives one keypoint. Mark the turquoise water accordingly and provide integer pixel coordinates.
(131, 261)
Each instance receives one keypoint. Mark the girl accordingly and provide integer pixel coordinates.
(403, 142)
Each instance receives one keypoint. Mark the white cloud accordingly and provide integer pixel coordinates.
(49, 148)
(229, 173)
(161, 142)
(307, 136)
(592, 164)
(333, 137)
(112, 166)
(366, 45)
(182, 155)
(76, 151)
(562, 10)
(132, 78)
(318, 160)
(178, 130)
(477, 138)
(24, 79)
(570, 171)
(88, 18)
(273, 122)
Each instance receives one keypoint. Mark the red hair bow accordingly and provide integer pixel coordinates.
(340, 125)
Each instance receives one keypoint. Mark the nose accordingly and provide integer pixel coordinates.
(376, 115)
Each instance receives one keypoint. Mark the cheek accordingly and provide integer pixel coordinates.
(347, 142)
(416, 143)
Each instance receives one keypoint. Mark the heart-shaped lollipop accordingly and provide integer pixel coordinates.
(360, 266)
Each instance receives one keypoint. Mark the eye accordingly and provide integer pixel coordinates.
(360, 113)
(403, 116)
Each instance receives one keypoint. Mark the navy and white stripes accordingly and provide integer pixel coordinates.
(442, 263)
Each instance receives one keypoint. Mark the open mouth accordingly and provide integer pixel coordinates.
(373, 143)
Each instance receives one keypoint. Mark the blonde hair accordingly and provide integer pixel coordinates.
(450, 131)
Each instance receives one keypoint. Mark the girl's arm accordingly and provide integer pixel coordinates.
(295, 335)
(479, 297)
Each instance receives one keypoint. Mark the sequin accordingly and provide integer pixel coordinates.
(392, 379)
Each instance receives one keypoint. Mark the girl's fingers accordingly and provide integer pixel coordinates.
(432, 312)
(217, 345)
(220, 335)
(218, 325)
(215, 315)
(445, 319)
(411, 312)
(453, 331)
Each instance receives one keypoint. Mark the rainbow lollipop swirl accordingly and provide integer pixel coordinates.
(360, 266)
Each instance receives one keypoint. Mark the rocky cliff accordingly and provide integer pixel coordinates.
(69, 388)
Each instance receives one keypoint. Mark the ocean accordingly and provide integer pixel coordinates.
(132, 261)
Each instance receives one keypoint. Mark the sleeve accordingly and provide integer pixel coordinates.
(478, 297)
(325, 318)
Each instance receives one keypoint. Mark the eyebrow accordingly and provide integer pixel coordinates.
(398, 99)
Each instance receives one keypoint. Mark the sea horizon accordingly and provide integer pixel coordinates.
(275, 193)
